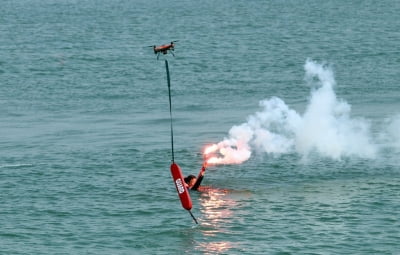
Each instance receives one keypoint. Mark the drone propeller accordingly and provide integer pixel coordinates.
(152, 46)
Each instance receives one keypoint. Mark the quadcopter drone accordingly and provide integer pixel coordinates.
(164, 49)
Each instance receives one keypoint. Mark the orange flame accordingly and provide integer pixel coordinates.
(220, 153)
(210, 149)
(209, 154)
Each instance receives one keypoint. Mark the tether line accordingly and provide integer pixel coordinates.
(170, 110)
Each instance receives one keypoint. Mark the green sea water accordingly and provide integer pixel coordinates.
(85, 139)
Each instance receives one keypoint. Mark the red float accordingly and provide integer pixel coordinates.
(179, 181)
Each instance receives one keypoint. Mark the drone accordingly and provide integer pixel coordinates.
(164, 49)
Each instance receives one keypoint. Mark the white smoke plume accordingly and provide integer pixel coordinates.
(393, 134)
(326, 127)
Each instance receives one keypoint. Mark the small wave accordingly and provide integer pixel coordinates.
(15, 165)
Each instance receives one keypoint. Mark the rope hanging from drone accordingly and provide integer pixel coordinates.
(176, 171)
(170, 111)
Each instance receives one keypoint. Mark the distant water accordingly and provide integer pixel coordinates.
(84, 126)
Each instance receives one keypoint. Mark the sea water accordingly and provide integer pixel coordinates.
(85, 140)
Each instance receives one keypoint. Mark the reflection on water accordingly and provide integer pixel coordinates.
(216, 247)
(216, 207)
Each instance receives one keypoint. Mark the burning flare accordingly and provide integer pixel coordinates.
(226, 152)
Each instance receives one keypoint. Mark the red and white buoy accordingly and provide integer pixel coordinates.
(179, 181)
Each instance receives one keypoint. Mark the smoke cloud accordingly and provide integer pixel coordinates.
(393, 134)
(326, 127)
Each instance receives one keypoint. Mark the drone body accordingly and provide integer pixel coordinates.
(164, 49)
